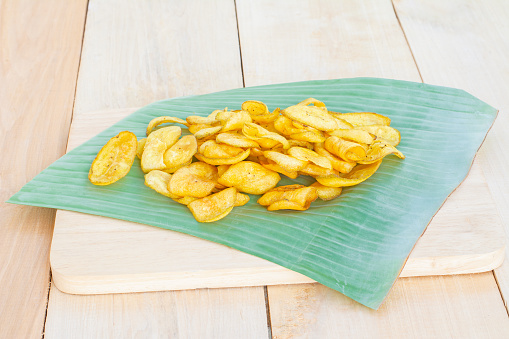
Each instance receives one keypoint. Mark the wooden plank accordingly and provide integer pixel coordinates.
(38, 70)
(92, 254)
(466, 306)
(183, 314)
(469, 52)
(136, 52)
(305, 40)
(285, 41)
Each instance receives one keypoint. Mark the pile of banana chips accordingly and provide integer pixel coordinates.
(246, 151)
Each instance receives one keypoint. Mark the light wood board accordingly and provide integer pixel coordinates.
(39, 58)
(93, 254)
(469, 52)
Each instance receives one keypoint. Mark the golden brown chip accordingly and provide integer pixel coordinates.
(209, 120)
(185, 200)
(241, 200)
(263, 137)
(158, 181)
(224, 161)
(267, 118)
(312, 116)
(172, 170)
(271, 165)
(152, 157)
(207, 132)
(168, 135)
(212, 149)
(140, 147)
(235, 139)
(187, 182)
(255, 108)
(296, 197)
(221, 169)
(299, 143)
(327, 193)
(181, 152)
(215, 206)
(233, 120)
(308, 136)
(337, 164)
(384, 133)
(198, 127)
(346, 150)
(114, 160)
(163, 120)
(364, 118)
(286, 162)
(378, 151)
(317, 171)
(356, 176)
(249, 177)
(285, 126)
(313, 101)
(354, 135)
(306, 155)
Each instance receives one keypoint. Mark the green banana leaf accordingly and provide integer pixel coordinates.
(356, 244)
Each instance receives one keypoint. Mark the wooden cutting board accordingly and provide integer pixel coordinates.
(94, 255)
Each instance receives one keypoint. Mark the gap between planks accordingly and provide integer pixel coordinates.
(406, 39)
(67, 145)
(422, 80)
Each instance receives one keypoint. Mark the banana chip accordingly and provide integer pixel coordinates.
(265, 138)
(249, 177)
(356, 176)
(338, 149)
(355, 135)
(158, 181)
(306, 155)
(233, 120)
(337, 164)
(326, 193)
(181, 152)
(241, 200)
(255, 108)
(187, 181)
(286, 162)
(312, 116)
(294, 197)
(114, 160)
(162, 120)
(207, 132)
(346, 150)
(235, 139)
(378, 151)
(364, 118)
(383, 133)
(224, 161)
(140, 147)
(215, 206)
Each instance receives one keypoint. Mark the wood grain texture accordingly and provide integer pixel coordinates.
(39, 58)
(154, 50)
(466, 306)
(233, 313)
(469, 52)
(285, 41)
(92, 254)
(361, 38)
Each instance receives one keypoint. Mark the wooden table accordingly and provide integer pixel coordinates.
(63, 59)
